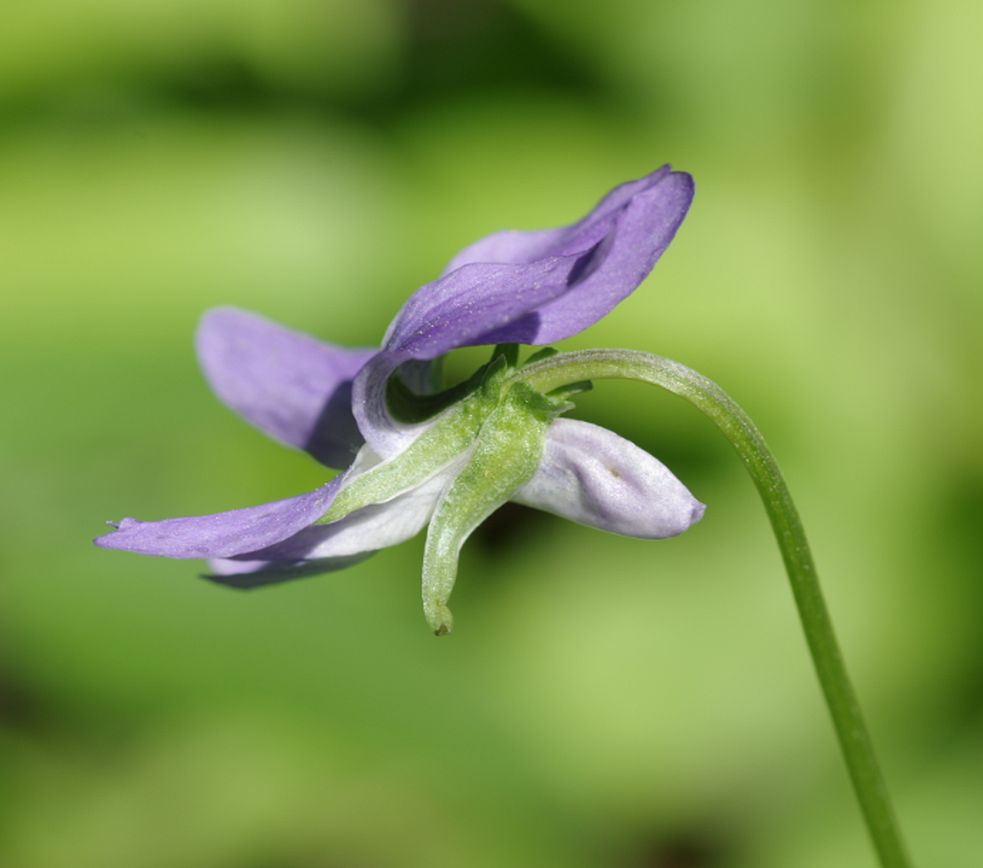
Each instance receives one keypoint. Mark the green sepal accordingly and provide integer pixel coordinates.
(509, 351)
(507, 453)
(539, 355)
(564, 392)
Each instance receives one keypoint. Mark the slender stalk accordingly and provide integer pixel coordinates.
(737, 426)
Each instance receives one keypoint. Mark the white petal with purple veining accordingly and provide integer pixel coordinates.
(592, 476)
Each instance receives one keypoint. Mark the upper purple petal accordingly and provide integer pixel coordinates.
(516, 246)
(225, 534)
(645, 225)
(527, 287)
(289, 385)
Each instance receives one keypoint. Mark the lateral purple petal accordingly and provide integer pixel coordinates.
(224, 534)
(592, 476)
(527, 287)
(292, 387)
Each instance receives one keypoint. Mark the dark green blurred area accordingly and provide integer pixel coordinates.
(604, 701)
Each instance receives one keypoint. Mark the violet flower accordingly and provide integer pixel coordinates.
(465, 452)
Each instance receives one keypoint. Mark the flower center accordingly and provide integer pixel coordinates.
(485, 445)
(494, 409)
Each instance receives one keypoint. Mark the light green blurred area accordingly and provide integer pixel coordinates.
(603, 701)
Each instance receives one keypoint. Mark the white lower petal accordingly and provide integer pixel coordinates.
(384, 524)
(594, 477)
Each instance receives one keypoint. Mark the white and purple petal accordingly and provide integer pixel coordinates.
(594, 477)
(292, 387)
(329, 547)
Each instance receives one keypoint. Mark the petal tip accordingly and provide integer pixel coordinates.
(210, 323)
(680, 185)
(111, 540)
(687, 517)
(105, 541)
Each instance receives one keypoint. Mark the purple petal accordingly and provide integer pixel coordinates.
(225, 534)
(645, 226)
(592, 476)
(527, 287)
(516, 246)
(289, 385)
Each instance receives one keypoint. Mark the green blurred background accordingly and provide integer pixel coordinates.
(604, 701)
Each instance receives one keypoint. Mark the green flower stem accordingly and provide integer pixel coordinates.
(868, 783)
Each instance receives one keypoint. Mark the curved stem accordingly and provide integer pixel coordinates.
(737, 426)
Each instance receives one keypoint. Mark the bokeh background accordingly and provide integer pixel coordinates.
(604, 701)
